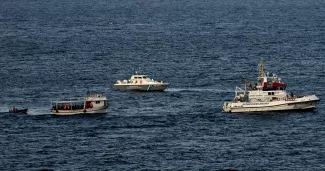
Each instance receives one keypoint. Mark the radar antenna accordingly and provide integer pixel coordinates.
(261, 68)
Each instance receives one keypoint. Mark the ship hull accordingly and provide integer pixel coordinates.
(300, 104)
(80, 111)
(141, 87)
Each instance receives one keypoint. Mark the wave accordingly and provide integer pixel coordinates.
(198, 90)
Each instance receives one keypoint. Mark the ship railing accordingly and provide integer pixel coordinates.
(283, 98)
(290, 99)
(305, 96)
(293, 98)
(302, 96)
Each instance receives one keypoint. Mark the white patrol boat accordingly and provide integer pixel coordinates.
(140, 83)
(93, 103)
(268, 94)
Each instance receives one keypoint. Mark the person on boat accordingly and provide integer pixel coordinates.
(14, 109)
(90, 105)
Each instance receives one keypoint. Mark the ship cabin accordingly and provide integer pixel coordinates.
(139, 79)
(270, 95)
(96, 98)
(271, 82)
(92, 100)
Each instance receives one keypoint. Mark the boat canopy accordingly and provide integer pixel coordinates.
(75, 100)
(139, 76)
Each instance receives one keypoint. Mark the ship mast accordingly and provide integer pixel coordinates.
(261, 68)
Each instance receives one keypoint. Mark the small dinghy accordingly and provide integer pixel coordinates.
(15, 110)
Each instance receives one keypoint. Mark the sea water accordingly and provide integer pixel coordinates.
(58, 49)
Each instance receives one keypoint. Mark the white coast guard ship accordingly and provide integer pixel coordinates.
(139, 82)
(268, 94)
(93, 103)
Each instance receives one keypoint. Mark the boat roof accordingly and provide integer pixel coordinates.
(139, 76)
(81, 99)
(75, 100)
(68, 101)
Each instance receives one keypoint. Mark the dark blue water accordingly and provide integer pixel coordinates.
(51, 49)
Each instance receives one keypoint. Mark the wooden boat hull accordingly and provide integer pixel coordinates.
(80, 111)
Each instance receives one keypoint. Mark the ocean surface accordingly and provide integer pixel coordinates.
(53, 49)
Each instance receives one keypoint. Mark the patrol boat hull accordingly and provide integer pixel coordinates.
(141, 87)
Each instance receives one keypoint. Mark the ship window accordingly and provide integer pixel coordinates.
(97, 102)
(144, 77)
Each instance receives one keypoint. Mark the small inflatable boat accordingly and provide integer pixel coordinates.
(15, 110)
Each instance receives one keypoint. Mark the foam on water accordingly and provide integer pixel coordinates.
(197, 90)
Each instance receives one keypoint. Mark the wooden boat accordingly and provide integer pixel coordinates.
(93, 103)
